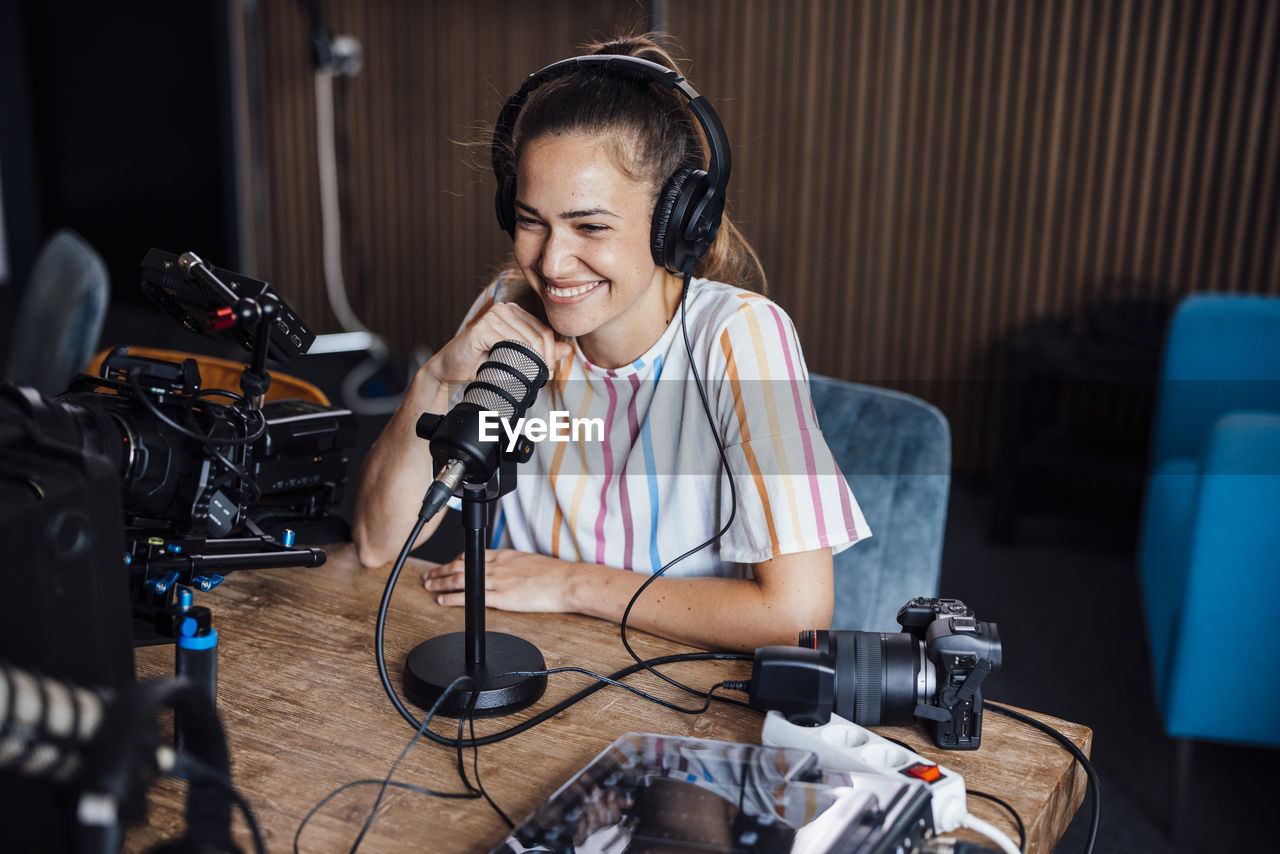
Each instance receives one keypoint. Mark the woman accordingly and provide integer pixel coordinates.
(596, 153)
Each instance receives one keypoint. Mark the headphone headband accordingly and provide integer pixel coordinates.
(700, 214)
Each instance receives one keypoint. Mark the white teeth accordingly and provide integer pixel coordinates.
(572, 292)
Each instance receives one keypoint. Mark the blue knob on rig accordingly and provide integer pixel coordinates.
(287, 537)
(160, 585)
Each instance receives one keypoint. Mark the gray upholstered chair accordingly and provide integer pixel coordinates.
(58, 321)
(895, 451)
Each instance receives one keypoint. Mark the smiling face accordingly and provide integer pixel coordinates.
(582, 241)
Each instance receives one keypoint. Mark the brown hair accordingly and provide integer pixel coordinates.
(653, 134)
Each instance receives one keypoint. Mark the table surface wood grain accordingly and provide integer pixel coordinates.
(305, 712)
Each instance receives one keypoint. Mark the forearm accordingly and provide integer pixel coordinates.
(395, 476)
(713, 613)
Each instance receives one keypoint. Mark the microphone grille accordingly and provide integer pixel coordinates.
(512, 372)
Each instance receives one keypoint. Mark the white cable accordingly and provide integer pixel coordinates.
(991, 832)
(335, 285)
(330, 212)
(360, 403)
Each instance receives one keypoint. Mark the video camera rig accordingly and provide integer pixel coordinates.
(203, 470)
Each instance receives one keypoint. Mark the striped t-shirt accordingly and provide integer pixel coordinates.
(640, 481)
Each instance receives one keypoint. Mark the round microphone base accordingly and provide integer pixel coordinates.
(433, 665)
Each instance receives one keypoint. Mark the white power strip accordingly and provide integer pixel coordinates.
(841, 745)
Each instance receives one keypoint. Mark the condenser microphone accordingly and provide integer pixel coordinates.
(465, 443)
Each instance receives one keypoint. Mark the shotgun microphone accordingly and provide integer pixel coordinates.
(104, 749)
(505, 385)
(45, 724)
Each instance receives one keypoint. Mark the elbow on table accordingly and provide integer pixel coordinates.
(797, 618)
(817, 616)
(369, 552)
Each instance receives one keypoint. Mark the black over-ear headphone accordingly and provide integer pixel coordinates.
(687, 215)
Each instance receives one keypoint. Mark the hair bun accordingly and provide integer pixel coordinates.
(647, 46)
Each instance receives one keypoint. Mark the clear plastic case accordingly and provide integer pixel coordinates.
(652, 794)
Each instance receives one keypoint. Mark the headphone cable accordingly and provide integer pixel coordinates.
(733, 497)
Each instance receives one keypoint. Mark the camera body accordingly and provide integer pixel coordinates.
(933, 671)
(285, 459)
(200, 479)
(960, 648)
(172, 484)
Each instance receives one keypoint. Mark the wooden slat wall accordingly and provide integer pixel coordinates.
(921, 177)
(924, 177)
(420, 237)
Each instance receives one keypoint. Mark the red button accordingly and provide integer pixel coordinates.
(222, 319)
(928, 773)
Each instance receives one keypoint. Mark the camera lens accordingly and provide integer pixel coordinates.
(152, 459)
(879, 676)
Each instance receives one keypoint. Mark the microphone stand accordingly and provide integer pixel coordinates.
(489, 658)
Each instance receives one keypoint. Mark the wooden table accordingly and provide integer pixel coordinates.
(305, 712)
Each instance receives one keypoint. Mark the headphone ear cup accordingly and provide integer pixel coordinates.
(504, 202)
(664, 237)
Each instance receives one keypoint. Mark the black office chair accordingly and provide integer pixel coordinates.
(59, 319)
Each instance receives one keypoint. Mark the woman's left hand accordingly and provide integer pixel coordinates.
(513, 581)
(788, 594)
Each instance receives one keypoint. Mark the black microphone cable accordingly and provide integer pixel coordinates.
(469, 792)
(493, 738)
(617, 683)
(1091, 776)
(421, 728)
(478, 790)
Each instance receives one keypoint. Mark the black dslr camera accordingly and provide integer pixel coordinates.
(933, 671)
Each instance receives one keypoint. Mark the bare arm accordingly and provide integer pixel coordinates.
(788, 594)
(395, 476)
(398, 470)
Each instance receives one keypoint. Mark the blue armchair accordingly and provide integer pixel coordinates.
(895, 452)
(1209, 547)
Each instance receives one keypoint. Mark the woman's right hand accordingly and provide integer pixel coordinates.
(458, 360)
